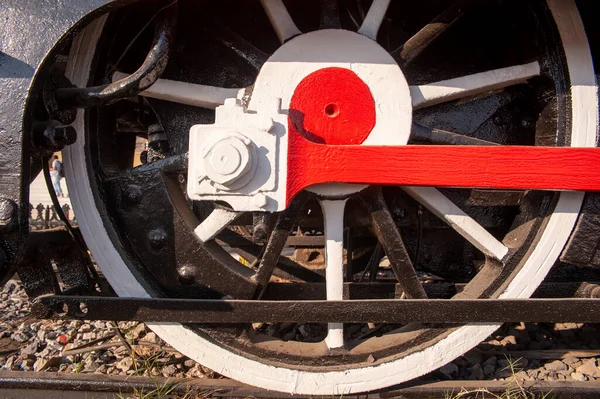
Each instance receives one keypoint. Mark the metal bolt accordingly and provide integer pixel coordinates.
(259, 201)
(58, 136)
(157, 238)
(132, 194)
(187, 275)
(8, 211)
(228, 160)
(526, 123)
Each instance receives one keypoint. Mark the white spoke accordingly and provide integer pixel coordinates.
(374, 18)
(282, 22)
(470, 85)
(187, 93)
(216, 222)
(445, 209)
(333, 219)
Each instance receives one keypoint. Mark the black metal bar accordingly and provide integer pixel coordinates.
(322, 311)
(140, 80)
(391, 241)
(423, 134)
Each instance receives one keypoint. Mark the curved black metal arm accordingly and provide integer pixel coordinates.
(140, 80)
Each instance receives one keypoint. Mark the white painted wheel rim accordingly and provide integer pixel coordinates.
(203, 350)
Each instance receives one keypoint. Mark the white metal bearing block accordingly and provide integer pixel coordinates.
(237, 159)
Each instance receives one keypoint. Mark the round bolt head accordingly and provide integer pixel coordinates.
(132, 194)
(157, 238)
(225, 158)
(187, 274)
(229, 159)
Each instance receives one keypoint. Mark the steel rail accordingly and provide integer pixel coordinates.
(23, 384)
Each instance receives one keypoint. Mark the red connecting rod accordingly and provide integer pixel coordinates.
(499, 167)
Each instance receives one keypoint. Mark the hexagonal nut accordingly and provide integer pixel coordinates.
(229, 159)
(259, 201)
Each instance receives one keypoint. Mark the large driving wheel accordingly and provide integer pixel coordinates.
(490, 73)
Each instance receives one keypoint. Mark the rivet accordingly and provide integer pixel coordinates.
(132, 194)
(186, 273)
(157, 238)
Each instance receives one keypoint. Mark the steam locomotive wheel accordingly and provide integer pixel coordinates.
(492, 79)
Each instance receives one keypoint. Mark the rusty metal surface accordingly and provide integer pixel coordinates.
(400, 311)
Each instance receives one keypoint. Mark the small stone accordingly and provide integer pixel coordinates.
(449, 370)
(533, 374)
(570, 360)
(29, 350)
(101, 369)
(169, 370)
(9, 363)
(503, 373)
(556, 366)
(19, 337)
(125, 364)
(509, 340)
(51, 335)
(151, 337)
(85, 328)
(473, 357)
(62, 339)
(42, 364)
(139, 331)
(488, 369)
(476, 373)
(289, 336)
(589, 368)
(27, 364)
(523, 375)
(578, 376)
(491, 361)
(89, 336)
(189, 363)
(371, 358)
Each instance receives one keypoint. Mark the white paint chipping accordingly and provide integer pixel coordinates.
(216, 222)
(333, 222)
(203, 349)
(470, 85)
(187, 93)
(465, 225)
(282, 22)
(375, 15)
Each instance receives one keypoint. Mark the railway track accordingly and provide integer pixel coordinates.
(91, 386)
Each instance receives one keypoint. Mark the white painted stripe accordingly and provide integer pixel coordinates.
(282, 22)
(464, 225)
(187, 93)
(372, 23)
(216, 222)
(333, 221)
(470, 85)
